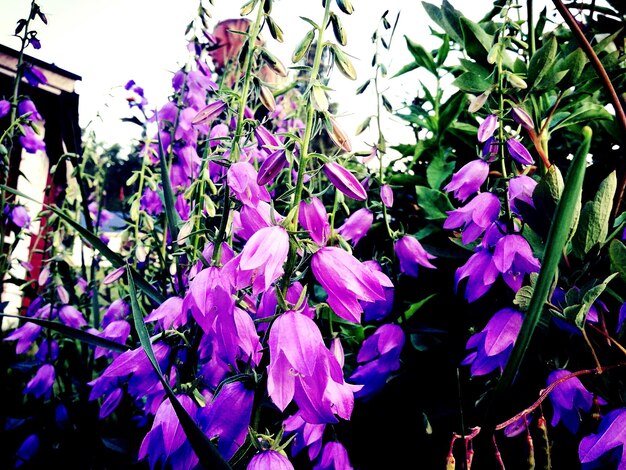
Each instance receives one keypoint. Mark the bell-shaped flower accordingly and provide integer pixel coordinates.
(334, 457)
(494, 343)
(521, 116)
(474, 218)
(269, 460)
(242, 180)
(251, 219)
(169, 315)
(31, 141)
(117, 310)
(5, 107)
(227, 417)
(344, 181)
(379, 309)
(25, 336)
(118, 331)
(487, 127)
(271, 167)
(48, 350)
(513, 258)
(569, 398)
(314, 218)
(27, 106)
(347, 281)
(411, 253)
(518, 152)
(378, 358)
(166, 441)
(41, 384)
(261, 261)
(27, 450)
(209, 293)
(607, 447)
(306, 435)
(19, 216)
(468, 180)
(521, 192)
(269, 303)
(356, 226)
(70, 316)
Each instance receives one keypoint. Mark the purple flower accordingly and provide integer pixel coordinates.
(34, 76)
(70, 316)
(480, 272)
(513, 258)
(334, 457)
(227, 417)
(41, 384)
(521, 189)
(209, 113)
(25, 335)
(261, 261)
(519, 152)
(307, 435)
(356, 226)
(487, 127)
(378, 357)
(386, 195)
(410, 253)
(170, 314)
(474, 218)
(522, 117)
(344, 181)
(28, 107)
(269, 460)
(611, 435)
(242, 180)
(468, 180)
(313, 217)
(494, 343)
(31, 141)
(347, 281)
(118, 310)
(19, 216)
(568, 399)
(491, 150)
(27, 450)
(166, 440)
(5, 107)
(379, 309)
(271, 167)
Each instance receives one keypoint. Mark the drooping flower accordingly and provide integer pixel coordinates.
(378, 357)
(345, 181)
(379, 309)
(313, 217)
(356, 225)
(411, 253)
(31, 141)
(494, 343)
(306, 435)
(518, 152)
(468, 180)
(41, 384)
(514, 258)
(334, 457)
(487, 127)
(27, 450)
(474, 218)
(5, 107)
(19, 216)
(242, 180)
(347, 281)
(568, 399)
(521, 191)
(269, 460)
(521, 116)
(611, 436)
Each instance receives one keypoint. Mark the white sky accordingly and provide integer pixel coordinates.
(109, 42)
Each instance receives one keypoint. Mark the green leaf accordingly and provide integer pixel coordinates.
(73, 333)
(443, 51)
(421, 56)
(555, 244)
(447, 18)
(477, 42)
(471, 83)
(406, 68)
(548, 191)
(582, 113)
(525, 294)
(573, 63)
(617, 257)
(589, 297)
(434, 203)
(413, 308)
(438, 170)
(593, 227)
(541, 61)
(450, 110)
(204, 449)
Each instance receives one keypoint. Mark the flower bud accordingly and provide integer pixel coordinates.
(516, 81)
(209, 113)
(338, 136)
(345, 181)
(522, 117)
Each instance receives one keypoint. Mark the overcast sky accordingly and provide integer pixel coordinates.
(109, 42)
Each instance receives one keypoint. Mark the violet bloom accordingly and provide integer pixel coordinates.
(356, 226)
(610, 437)
(518, 152)
(410, 253)
(344, 181)
(334, 457)
(166, 440)
(379, 309)
(347, 281)
(480, 272)
(227, 417)
(474, 218)
(521, 116)
(5, 107)
(41, 384)
(242, 180)
(28, 107)
(494, 343)
(490, 150)
(521, 191)
(209, 113)
(306, 435)
(271, 167)
(468, 180)
(19, 216)
(514, 258)
(118, 310)
(261, 261)
(487, 127)
(169, 315)
(27, 450)
(386, 195)
(314, 218)
(378, 357)
(251, 219)
(31, 141)
(269, 460)
(568, 399)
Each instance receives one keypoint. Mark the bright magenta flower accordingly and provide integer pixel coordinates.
(313, 217)
(345, 181)
(518, 152)
(347, 281)
(386, 195)
(356, 226)
(474, 218)
(611, 435)
(468, 180)
(487, 127)
(269, 460)
(334, 457)
(411, 253)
